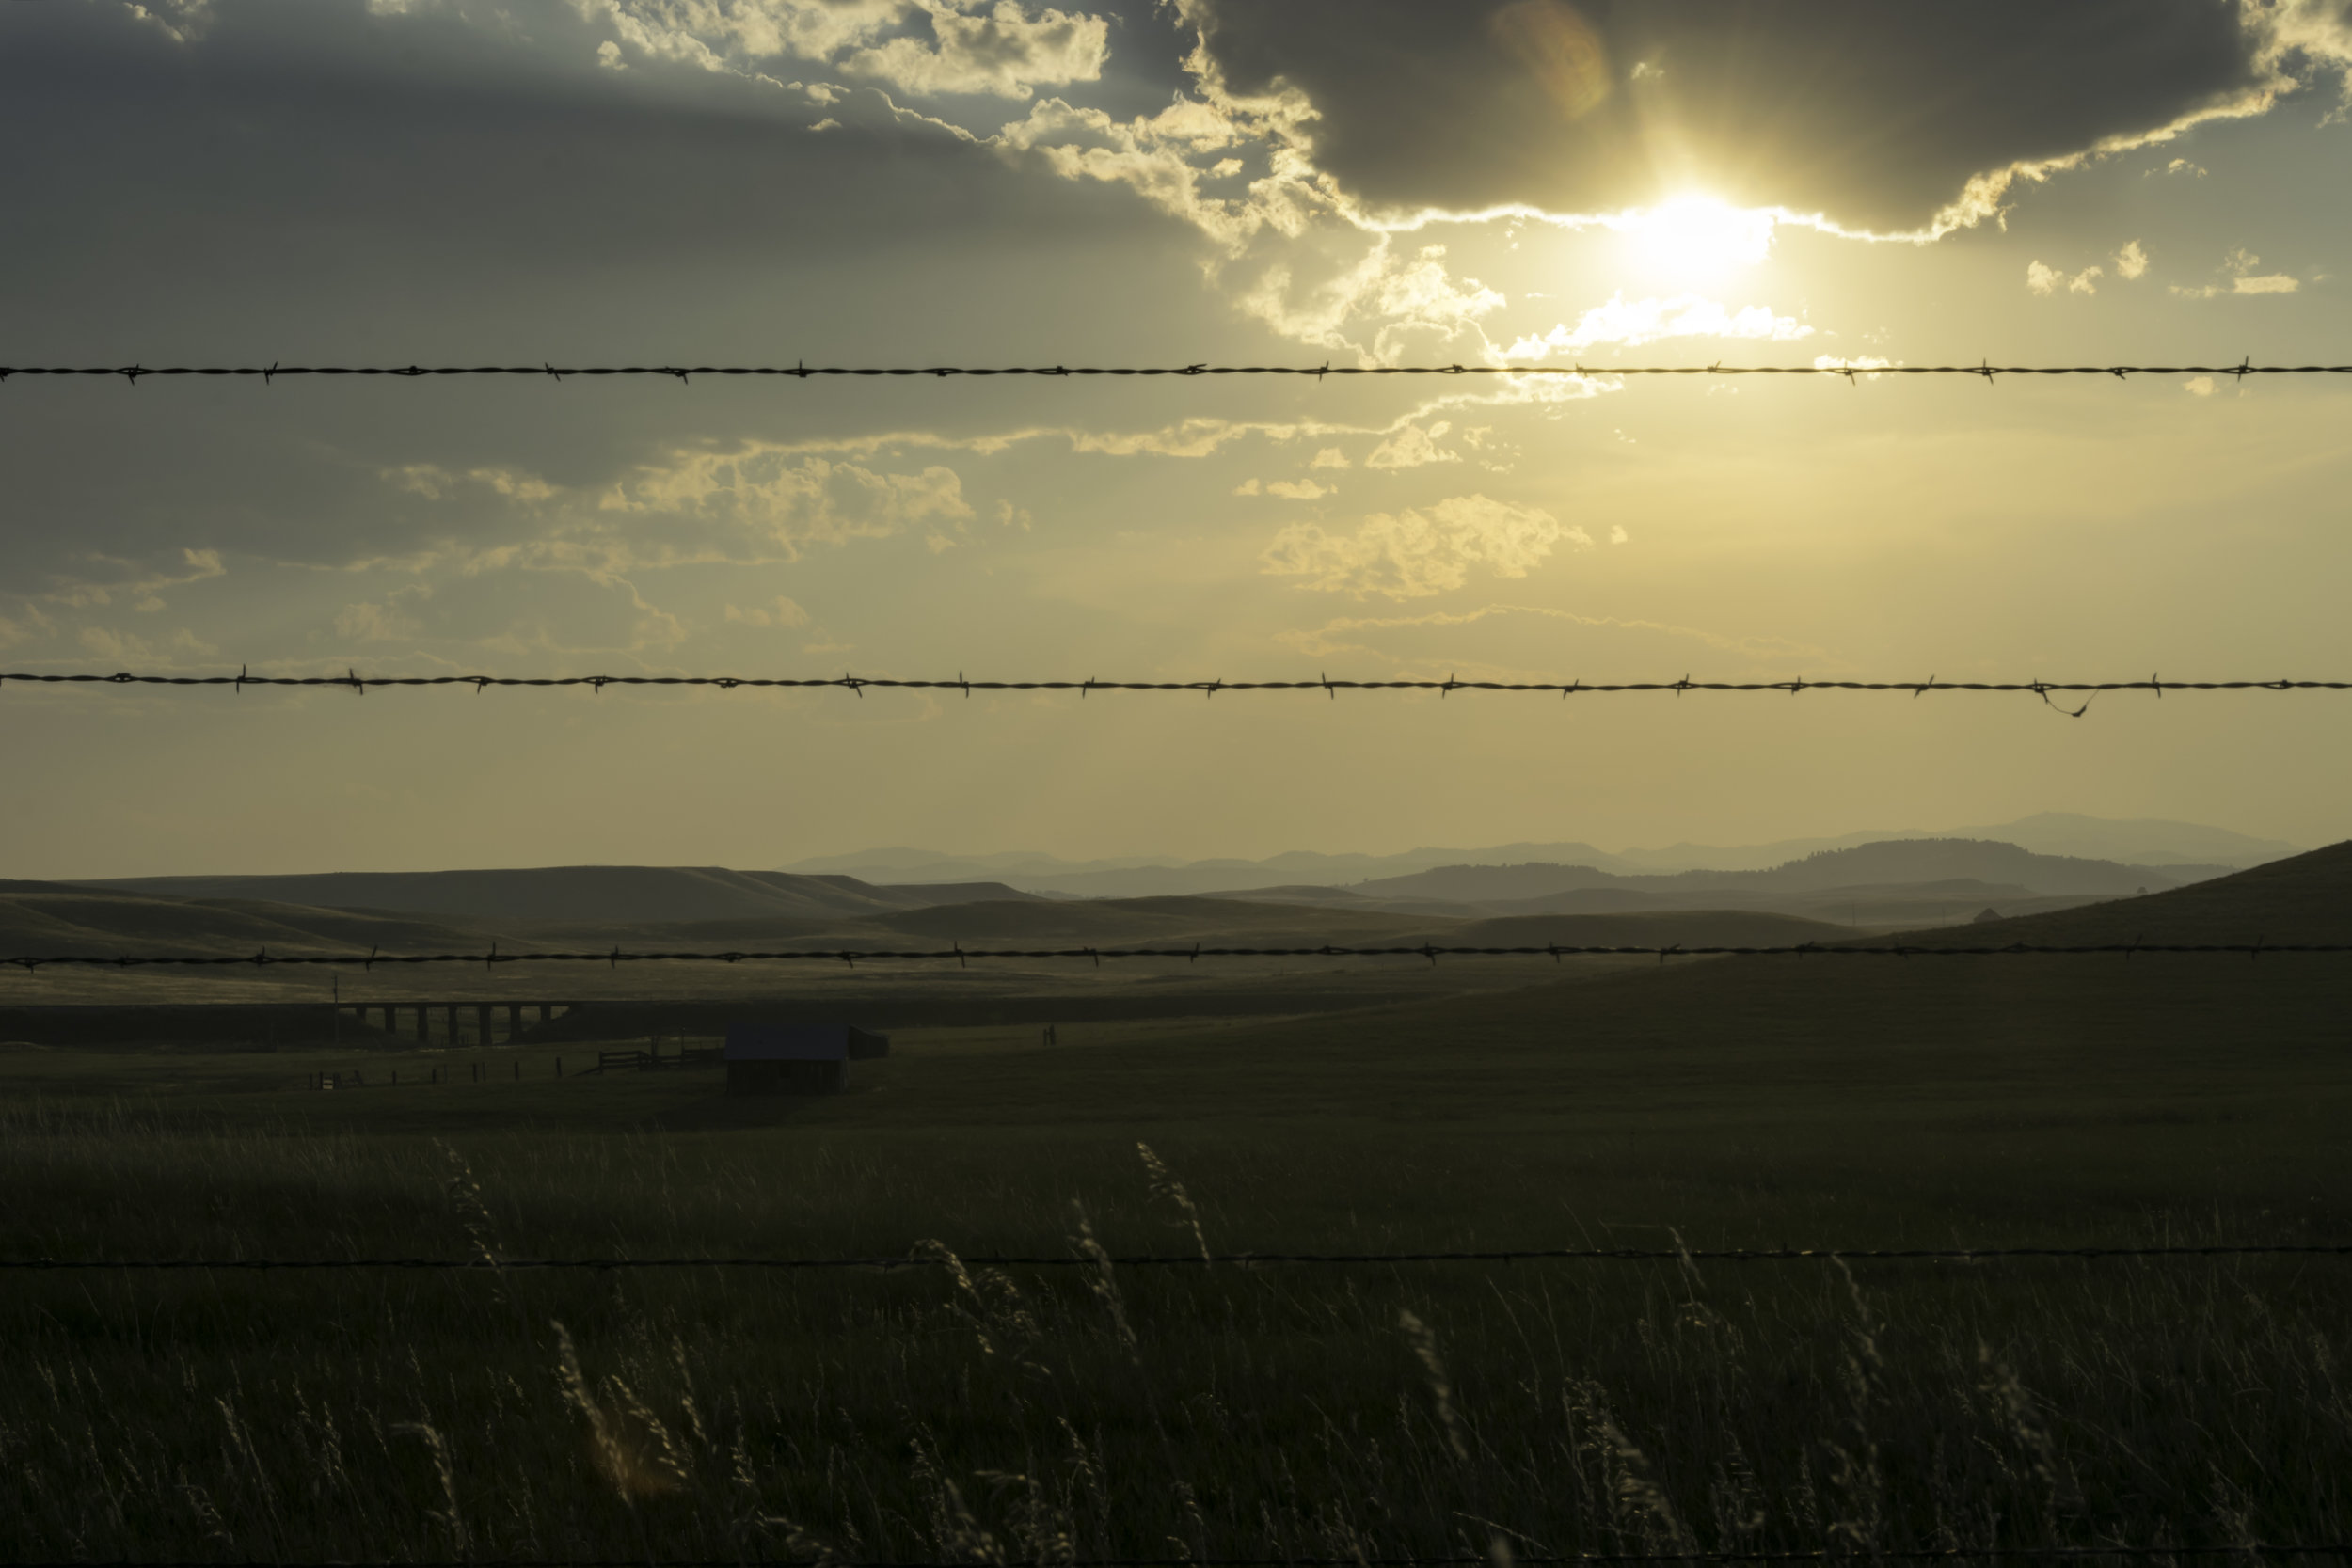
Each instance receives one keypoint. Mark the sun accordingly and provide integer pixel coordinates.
(1692, 238)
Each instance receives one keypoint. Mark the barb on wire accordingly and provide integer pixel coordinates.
(1849, 369)
(963, 956)
(858, 684)
(1197, 1260)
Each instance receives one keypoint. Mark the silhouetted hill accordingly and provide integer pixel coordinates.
(55, 918)
(630, 894)
(1650, 928)
(1213, 921)
(1876, 865)
(2304, 898)
(2192, 847)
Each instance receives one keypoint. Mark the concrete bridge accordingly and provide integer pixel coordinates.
(268, 1024)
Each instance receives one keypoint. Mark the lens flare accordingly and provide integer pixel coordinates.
(1559, 49)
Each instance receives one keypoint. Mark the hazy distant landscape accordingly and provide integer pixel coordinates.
(1339, 1105)
(1516, 892)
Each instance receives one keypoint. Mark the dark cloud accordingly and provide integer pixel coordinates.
(1876, 114)
(305, 180)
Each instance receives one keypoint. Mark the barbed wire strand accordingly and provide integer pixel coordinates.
(1430, 951)
(1859, 1556)
(1194, 1259)
(2048, 691)
(1851, 370)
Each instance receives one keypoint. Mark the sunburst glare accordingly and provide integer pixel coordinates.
(1692, 238)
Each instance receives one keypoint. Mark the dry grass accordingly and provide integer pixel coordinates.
(961, 1413)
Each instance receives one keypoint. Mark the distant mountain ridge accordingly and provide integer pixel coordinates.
(2146, 841)
(1893, 862)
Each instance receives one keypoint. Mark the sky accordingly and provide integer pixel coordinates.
(997, 181)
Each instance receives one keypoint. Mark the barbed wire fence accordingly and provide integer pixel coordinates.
(351, 680)
(1849, 370)
(1859, 1555)
(961, 955)
(931, 1260)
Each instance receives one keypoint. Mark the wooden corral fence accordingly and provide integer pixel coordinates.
(652, 1060)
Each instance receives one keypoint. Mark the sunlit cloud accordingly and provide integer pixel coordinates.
(1630, 322)
(1358, 634)
(780, 611)
(142, 588)
(2238, 276)
(1285, 489)
(2046, 280)
(1417, 553)
(1413, 447)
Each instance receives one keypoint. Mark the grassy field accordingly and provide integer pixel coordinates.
(979, 1415)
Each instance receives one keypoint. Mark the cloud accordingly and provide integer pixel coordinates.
(1329, 457)
(1415, 553)
(1412, 446)
(1886, 118)
(1285, 489)
(782, 613)
(1346, 634)
(924, 47)
(126, 649)
(781, 505)
(1648, 321)
(2131, 264)
(752, 504)
(1859, 364)
(2046, 280)
(2198, 386)
(1387, 299)
(2238, 276)
(1005, 52)
(143, 588)
(374, 623)
(181, 20)
(14, 632)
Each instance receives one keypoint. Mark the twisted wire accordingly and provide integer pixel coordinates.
(1194, 1259)
(853, 957)
(351, 680)
(1850, 370)
(1858, 1556)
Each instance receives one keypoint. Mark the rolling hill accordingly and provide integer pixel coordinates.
(2148, 842)
(56, 918)
(1879, 866)
(2304, 898)
(629, 895)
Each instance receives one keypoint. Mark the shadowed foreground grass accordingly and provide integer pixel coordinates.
(961, 1413)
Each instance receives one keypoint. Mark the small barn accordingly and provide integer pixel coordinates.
(797, 1058)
